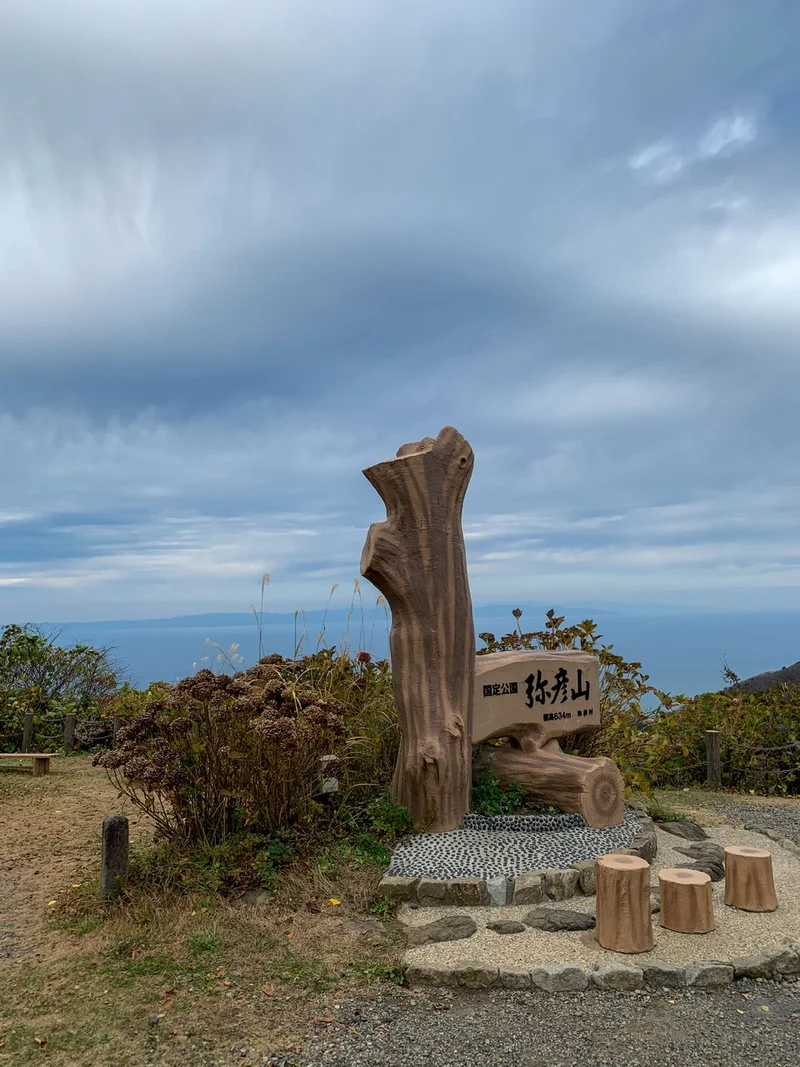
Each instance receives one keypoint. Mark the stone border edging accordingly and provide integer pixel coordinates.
(530, 887)
(782, 960)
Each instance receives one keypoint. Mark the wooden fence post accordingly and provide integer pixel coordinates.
(115, 729)
(69, 733)
(27, 732)
(714, 766)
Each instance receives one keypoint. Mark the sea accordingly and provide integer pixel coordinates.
(682, 651)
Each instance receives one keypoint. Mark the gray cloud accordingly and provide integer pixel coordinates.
(246, 255)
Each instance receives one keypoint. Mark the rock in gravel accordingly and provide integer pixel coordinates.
(658, 974)
(371, 931)
(466, 892)
(435, 974)
(691, 831)
(431, 893)
(709, 974)
(553, 920)
(785, 958)
(529, 888)
(448, 928)
(398, 889)
(586, 877)
(715, 871)
(515, 977)
(506, 926)
(655, 899)
(760, 966)
(560, 884)
(622, 976)
(703, 852)
(559, 978)
(498, 891)
(474, 975)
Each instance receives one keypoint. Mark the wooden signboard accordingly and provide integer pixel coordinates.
(533, 698)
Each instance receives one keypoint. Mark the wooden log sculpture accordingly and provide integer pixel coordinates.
(533, 698)
(624, 923)
(417, 559)
(686, 904)
(749, 884)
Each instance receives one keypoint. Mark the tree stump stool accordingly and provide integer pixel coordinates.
(623, 903)
(686, 901)
(748, 879)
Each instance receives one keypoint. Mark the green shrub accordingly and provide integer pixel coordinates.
(491, 797)
(40, 678)
(759, 740)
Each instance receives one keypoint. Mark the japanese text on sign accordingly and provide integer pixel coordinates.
(500, 689)
(539, 690)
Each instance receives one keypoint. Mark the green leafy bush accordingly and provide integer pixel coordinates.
(41, 678)
(491, 797)
(759, 740)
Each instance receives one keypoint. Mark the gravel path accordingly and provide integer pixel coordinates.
(591, 1029)
(783, 816)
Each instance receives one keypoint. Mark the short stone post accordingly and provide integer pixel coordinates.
(116, 850)
(69, 733)
(713, 764)
(27, 732)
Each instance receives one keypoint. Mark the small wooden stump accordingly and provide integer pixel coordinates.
(624, 923)
(749, 884)
(41, 764)
(686, 901)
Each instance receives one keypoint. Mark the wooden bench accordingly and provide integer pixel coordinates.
(41, 760)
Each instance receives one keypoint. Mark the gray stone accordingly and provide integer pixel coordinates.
(760, 966)
(586, 877)
(785, 958)
(553, 920)
(398, 889)
(655, 899)
(528, 888)
(709, 974)
(506, 926)
(431, 893)
(688, 830)
(611, 975)
(559, 978)
(498, 890)
(787, 843)
(466, 892)
(448, 928)
(114, 856)
(253, 898)
(703, 852)
(715, 871)
(515, 977)
(436, 974)
(371, 931)
(560, 884)
(645, 845)
(658, 974)
(474, 975)
(773, 835)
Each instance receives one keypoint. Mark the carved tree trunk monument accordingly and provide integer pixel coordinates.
(533, 698)
(417, 559)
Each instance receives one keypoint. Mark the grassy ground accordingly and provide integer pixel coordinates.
(158, 976)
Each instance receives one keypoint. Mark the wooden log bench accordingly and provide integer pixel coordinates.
(624, 922)
(686, 904)
(749, 883)
(533, 698)
(41, 760)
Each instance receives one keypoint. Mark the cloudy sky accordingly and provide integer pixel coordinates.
(248, 249)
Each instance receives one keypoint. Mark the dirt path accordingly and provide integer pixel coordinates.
(50, 829)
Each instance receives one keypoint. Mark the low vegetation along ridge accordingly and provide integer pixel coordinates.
(227, 777)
